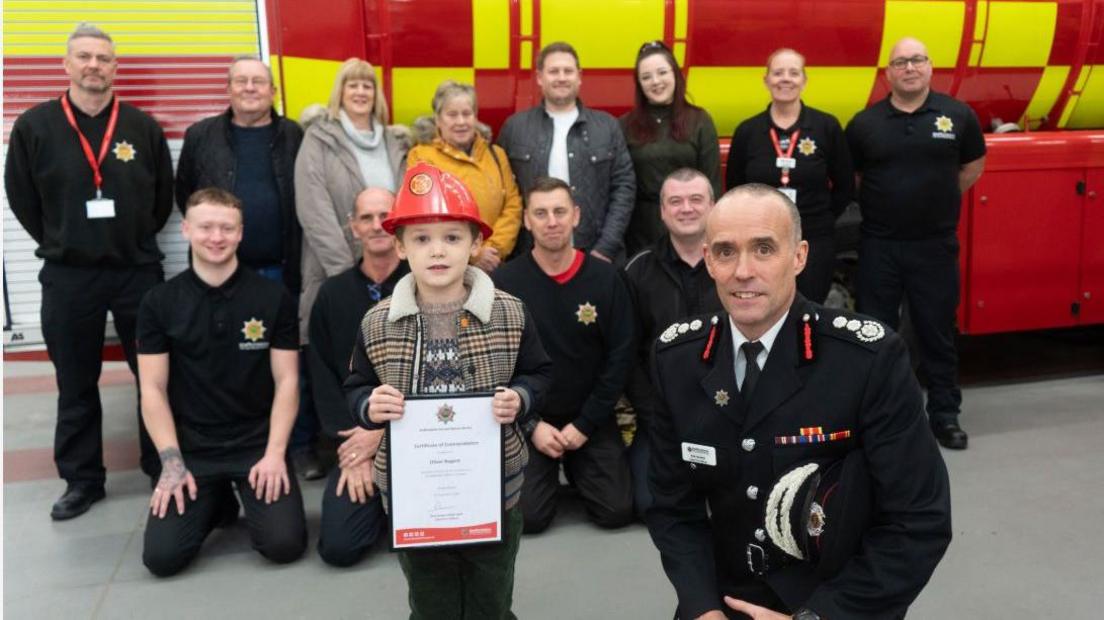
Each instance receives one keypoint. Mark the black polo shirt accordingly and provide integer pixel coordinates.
(910, 164)
(220, 375)
(824, 178)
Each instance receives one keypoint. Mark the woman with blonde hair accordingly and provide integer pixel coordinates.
(459, 148)
(345, 150)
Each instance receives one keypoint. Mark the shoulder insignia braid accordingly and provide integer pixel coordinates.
(863, 330)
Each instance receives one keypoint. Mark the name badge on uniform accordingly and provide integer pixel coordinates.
(699, 454)
(785, 162)
(100, 208)
(790, 193)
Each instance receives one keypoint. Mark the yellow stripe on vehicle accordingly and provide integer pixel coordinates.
(606, 35)
(491, 34)
(937, 24)
(1020, 34)
(1046, 94)
(840, 91)
(413, 87)
(1088, 111)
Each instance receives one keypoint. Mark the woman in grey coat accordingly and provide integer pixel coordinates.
(348, 149)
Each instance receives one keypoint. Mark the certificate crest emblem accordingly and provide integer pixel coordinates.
(806, 146)
(445, 414)
(124, 151)
(421, 184)
(943, 123)
(587, 313)
(253, 330)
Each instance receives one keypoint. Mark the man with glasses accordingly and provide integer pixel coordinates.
(90, 180)
(583, 147)
(250, 150)
(915, 153)
(352, 516)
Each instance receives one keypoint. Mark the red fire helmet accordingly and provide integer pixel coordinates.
(430, 195)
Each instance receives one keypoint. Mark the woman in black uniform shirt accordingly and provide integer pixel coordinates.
(803, 152)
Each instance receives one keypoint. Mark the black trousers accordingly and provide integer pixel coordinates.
(815, 280)
(75, 301)
(600, 470)
(639, 455)
(925, 273)
(348, 529)
(278, 530)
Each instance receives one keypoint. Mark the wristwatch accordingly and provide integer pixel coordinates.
(806, 614)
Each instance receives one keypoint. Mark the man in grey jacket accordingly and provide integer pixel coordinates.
(562, 138)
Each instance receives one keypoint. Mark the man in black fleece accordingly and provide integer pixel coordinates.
(352, 516)
(90, 180)
(584, 317)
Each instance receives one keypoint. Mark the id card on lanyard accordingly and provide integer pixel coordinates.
(98, 207)
(785, 162)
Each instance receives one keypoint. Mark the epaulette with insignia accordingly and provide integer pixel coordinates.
(686, 331)
(854, 328)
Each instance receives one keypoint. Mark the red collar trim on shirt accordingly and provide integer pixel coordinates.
(576, 264)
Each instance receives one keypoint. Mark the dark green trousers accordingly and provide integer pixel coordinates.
(473, 583)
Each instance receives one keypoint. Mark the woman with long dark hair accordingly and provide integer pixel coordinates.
(664, 132)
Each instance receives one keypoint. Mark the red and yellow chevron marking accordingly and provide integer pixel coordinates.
(173, 54)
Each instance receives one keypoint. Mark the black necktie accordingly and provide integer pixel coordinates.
(751, 351)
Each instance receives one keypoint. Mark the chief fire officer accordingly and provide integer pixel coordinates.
(792, 466)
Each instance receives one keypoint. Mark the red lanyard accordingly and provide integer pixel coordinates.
(789, 151)
(93, 161)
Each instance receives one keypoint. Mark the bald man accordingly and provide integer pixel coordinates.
(759, 408)
(916, 152)
(352, 516)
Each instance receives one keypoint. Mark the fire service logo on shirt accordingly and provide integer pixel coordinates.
(806, 146)
(124, 151)
(253, 331)
(944, 128)
(587, 313)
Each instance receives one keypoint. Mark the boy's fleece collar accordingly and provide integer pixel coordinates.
(479, 303)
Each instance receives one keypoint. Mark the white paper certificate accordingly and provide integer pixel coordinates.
(445, 461)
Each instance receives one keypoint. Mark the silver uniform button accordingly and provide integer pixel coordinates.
(693, 466)
(753, 492)
(760, 535)
(748, 444)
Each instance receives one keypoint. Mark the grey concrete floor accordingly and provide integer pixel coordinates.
(1027, 507)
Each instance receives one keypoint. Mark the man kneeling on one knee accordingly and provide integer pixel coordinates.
(584, 316)
(218, 368)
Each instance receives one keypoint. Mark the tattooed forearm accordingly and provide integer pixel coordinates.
(173, 471)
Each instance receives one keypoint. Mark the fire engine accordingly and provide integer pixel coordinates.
(1032, 228)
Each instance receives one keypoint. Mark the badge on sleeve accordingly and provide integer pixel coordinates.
(699, 454)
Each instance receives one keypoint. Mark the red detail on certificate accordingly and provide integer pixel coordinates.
(423, 535)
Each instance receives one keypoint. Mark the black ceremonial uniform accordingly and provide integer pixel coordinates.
(848, 374)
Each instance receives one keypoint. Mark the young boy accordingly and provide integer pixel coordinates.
(469, 338)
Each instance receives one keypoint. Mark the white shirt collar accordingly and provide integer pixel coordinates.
(767, 339)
